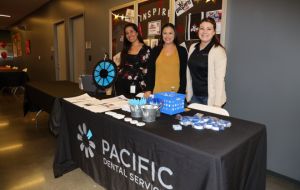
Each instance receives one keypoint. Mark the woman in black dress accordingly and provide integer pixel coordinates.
(134, 63)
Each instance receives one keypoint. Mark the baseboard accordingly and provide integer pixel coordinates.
(269, 172)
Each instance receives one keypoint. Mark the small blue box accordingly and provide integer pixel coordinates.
(173, 103)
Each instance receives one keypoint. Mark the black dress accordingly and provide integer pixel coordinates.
(132, 71)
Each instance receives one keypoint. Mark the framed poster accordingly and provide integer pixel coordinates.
(27, 47)
(118, 17)
(152, 15)
(188, 14)
(154, 28)
(149, 15)
(17, 46)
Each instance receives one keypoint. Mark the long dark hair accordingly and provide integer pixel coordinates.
(161, 41)
(215, 38)
(126, 43)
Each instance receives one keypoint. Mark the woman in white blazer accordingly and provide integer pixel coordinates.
(207, 67)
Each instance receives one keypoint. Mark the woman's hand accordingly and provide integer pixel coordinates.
(147, 94)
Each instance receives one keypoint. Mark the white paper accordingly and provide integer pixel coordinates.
(98, 106)
(218, 28)
(80, 98)
(181, 6)
(154, 28)
(153, 43)
(140, 95)
(129, 17)
(217, 16)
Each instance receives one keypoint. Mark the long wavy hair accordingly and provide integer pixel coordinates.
(161, 40)
(215, 38)
(127, 44)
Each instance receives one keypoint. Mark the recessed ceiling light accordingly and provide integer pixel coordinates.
(8, 16)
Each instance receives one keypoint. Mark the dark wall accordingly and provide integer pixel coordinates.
(263, 81)
(39, 30)
(5, 35)
(97, 28)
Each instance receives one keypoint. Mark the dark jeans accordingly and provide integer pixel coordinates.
(199, 99)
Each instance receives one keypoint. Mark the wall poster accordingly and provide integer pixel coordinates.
(119, 17)
(27, 47)
(154, 28)
(6, 52)
(189, 14)
(152, 15)
(149, 15)
(17, 45)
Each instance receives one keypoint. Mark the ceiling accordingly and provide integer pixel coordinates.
(18, 9)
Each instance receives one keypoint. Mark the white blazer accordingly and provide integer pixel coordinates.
(217, 62)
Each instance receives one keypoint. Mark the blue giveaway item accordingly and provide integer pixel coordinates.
(177, 127)
(135, 107)
(204, 122)
(173, 103)
(198, 126)
(224, 123)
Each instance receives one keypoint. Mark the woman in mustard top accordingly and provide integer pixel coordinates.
(167, 64)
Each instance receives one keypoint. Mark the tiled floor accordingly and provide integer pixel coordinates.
(26, 154)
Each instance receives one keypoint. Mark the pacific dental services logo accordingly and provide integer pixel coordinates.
(86, 144)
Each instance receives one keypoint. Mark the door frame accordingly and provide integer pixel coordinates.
(70, 44)
(57, 74)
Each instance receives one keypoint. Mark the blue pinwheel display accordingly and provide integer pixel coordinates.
(105, 73)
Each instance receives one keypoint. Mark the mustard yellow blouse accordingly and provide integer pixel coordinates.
(167, 76)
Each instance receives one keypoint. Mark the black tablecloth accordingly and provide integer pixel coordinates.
(41, 94)
(119, 155)
(13, 78)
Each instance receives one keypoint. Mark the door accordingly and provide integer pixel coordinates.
(60, 51)
(77, 54)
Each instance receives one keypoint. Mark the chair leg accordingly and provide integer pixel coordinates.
(11, 90)
(14, 90)
(36, 117)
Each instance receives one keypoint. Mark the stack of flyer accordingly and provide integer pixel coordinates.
(98, 106)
